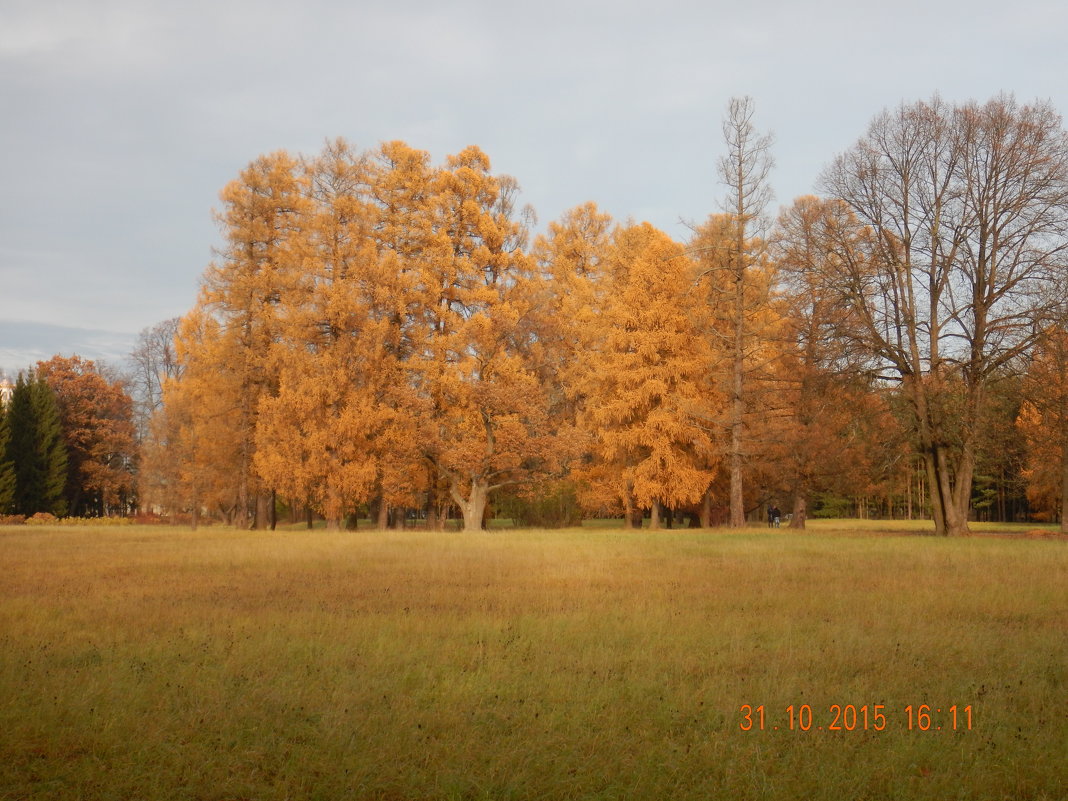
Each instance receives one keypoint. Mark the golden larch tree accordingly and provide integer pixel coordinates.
(263, 210)
(1043, 420)
(486, 408)
(647, 391)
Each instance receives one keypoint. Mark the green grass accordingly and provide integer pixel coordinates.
(159, 663)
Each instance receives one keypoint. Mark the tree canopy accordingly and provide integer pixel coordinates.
(379, 335)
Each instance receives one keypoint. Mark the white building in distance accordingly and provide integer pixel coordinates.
(6, 390)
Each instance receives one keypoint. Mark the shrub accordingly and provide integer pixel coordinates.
(12, 520)
(94, 521)
(149, 519)
(549, 505)
(46, 519)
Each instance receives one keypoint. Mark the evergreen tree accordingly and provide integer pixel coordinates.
(37, 449)
(96, 420)
(7, 467)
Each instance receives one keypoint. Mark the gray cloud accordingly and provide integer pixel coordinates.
(124, 118)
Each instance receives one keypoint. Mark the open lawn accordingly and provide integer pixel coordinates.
(159, 663)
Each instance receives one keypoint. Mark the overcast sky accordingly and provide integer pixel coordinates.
(120, 120)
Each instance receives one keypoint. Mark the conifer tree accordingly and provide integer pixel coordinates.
(744, 170)
(37, 449)
(1043, 420)
(96, 418)
(487, 409)
(7, 466)
(199, 444)
(336, 434)
(647, 382)
(263, 210)
(572, 256)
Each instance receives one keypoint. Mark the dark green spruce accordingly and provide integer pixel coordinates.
(36, 448)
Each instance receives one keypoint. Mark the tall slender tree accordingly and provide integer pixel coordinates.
(744, 169)
(261, 217)
(825, 397)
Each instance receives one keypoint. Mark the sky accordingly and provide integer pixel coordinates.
(121, 120)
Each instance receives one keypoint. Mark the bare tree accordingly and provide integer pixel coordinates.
(965, 211)
(744, 170)
(153, 361)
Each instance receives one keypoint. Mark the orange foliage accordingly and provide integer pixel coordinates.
(1043, 421)
(648, 399)
(96, 417)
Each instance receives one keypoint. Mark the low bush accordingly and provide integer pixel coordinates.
(46, 519)
(94, 521)
(42, 519)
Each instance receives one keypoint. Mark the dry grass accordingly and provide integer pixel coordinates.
(157, 663)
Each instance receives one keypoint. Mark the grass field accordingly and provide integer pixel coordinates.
(159, 663)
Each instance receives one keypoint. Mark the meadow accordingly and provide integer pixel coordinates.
(160, 663)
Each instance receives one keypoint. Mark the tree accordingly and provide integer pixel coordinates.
(1043, 420)
(194, 457)
(95, 417)
(964, 214)
(756, 354)
(476, 345)
(7, 465)
(36, 448)
(646, 385)
(825, 400)
(408, 236)
(572, 260)
(261, 218)
(744, 170)
(338, 430)
(153, 360)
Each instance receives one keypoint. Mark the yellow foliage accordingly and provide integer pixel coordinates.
(648, 397)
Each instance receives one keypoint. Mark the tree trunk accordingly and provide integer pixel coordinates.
(262, 519)
(474, 506)
(908, 493)
(383, 514)
(737, 500)
(950, 518)
(654, 516)
(240, 515)
(433, 522)
(706, 509)
(800, 511)
(628, 511)
(1064, 487)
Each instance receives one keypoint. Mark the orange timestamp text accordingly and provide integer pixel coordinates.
(851, 717)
